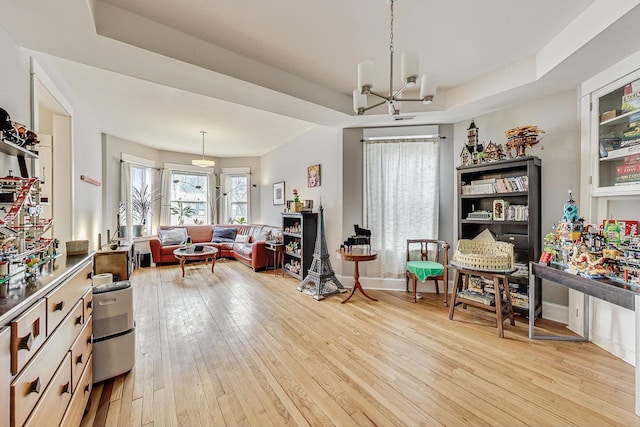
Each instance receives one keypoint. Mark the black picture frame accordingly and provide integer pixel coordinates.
(278, 193)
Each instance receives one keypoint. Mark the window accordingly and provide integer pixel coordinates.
(138, 197)
(237, 199)
(189, 199)
(401, 199)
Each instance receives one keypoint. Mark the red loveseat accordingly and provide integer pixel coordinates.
(253, 252)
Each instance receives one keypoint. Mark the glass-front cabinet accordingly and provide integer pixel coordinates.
(615, 113)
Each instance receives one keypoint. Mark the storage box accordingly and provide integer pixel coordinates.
(608, 115)
(631, 97)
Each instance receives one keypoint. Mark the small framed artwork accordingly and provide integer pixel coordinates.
(278, 193)
(498, 210)
(313, 176)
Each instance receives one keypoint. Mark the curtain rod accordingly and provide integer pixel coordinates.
(383, 138)
(140, 164)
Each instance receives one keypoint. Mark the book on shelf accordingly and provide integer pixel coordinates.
(632, 159)
(621, 152)
(631, 178)
(627, 169)
(483, 298)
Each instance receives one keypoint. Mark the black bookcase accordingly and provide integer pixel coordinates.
(514, 187)
(299, 238)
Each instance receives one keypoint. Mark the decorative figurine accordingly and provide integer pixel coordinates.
(362, 237)
(520, 138)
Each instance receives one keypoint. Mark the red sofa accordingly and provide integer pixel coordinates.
(253, 253)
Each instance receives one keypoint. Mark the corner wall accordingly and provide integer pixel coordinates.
(320, 145)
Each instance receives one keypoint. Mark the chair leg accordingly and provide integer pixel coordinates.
(406, 279)
(415, 288)
(437, 287)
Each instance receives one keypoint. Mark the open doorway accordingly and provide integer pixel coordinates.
(52, 121)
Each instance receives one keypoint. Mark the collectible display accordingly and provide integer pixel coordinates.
(611, 250)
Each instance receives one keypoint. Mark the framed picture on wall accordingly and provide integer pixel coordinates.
(278, 193)
(313, 176)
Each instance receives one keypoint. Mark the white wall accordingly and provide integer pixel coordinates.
(14, 91)
(559, 150)
(85, 200)
(320, 145)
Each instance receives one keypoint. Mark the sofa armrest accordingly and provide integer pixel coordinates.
(154, 244)
(259, 255)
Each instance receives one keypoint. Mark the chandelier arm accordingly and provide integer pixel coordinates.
(385, 97)
(376, 105)
(399, 92)
(409, 99)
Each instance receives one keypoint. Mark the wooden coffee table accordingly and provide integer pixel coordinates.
(207, 253)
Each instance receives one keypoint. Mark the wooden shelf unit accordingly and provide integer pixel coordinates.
(299, 229)
(525, 235)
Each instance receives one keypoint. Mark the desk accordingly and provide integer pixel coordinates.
(118, 262)
(207, 253)
(461, 281)
(618, 293)
(278, 255)
(357, 255)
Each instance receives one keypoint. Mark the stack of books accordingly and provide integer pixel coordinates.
(629, 172)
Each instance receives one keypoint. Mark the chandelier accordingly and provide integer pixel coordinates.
(409, 67)
(203, 163)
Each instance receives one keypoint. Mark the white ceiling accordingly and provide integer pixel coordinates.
(256, 74)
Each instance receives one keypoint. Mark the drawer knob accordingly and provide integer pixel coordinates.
(90, 339)
(79, 320)
(34, 386)
(60, 306)
(66, 388)
(26, 342)
(79, 360)
(90, 304)
(87, 388)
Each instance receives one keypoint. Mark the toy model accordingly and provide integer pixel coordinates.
(362, 236)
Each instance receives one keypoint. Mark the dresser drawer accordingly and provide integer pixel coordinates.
(87, 298)
(80, 398)
(28, 333)
(28, 386)
(5, 374)
(80, 353)
(61, 300)
(55, 399)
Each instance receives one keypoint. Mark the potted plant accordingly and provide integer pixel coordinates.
(182, 210)
(141, 204)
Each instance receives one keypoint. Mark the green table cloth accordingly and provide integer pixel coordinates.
(425, 269)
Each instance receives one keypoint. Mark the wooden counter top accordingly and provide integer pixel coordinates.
(16, 296)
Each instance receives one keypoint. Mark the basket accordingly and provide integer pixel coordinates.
(483, 255)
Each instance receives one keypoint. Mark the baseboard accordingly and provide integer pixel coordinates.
(556, 312)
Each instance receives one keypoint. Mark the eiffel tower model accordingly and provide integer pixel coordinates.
(321, 279)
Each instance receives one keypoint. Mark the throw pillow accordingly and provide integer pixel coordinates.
(172, 236)
(223, 234)
(242, 238)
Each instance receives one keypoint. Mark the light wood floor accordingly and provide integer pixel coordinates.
(245, 348)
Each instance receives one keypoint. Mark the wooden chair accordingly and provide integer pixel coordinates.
(431, 265)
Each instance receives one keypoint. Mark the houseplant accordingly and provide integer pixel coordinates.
(142, 205)
(182, 210)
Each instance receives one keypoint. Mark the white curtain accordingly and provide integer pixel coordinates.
(125, 199)
(165, 199)
(401, 199)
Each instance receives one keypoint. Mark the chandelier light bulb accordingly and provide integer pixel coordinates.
(359, 102)
(427, 88)
(409, 68)
(365, 76)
